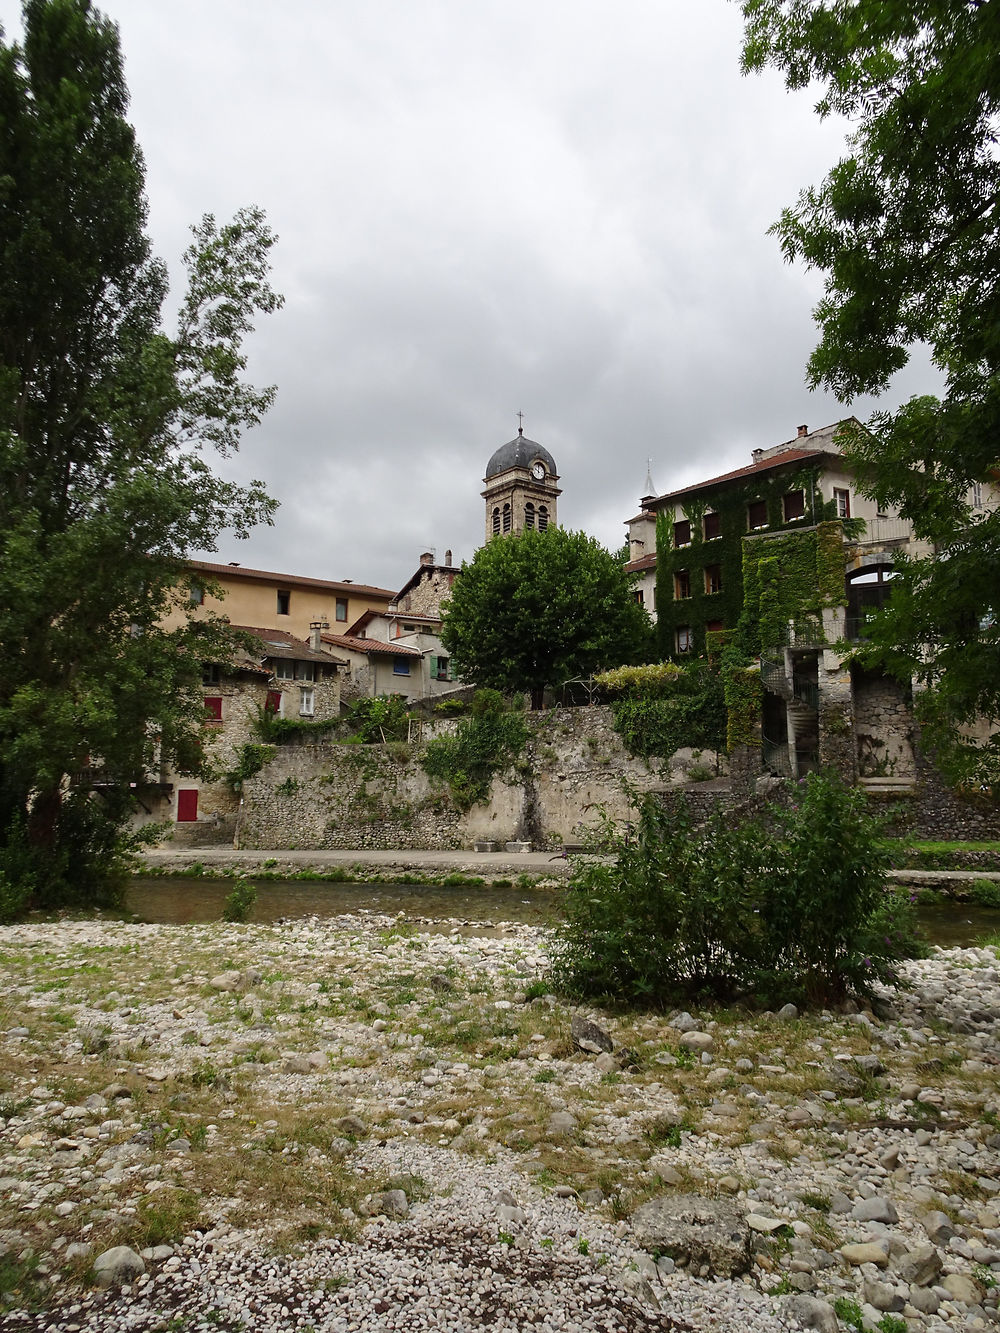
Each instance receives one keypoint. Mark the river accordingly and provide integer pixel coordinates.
(178, 900)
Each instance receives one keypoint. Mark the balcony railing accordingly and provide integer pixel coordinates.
(883, 531)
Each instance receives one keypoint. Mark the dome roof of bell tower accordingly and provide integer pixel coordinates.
(519, 452)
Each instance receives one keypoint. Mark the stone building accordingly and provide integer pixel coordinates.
(789, 554)
(279, 674)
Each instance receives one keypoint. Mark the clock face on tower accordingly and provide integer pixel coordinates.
(538, 471)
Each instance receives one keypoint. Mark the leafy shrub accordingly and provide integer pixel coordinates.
(484, 744)
(650, 679)
(250, 759)
(239, 903)
(682, 707)
(790, 905)
(375, 721)
(277, 730)
(82, 863)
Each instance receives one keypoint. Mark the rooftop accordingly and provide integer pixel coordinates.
(233, 571)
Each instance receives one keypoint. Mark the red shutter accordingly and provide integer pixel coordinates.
(187, 805)
(213, 707)
(273, 701)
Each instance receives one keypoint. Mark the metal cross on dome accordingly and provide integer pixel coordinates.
(520, 423)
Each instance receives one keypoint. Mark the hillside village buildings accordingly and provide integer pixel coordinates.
(785, 548)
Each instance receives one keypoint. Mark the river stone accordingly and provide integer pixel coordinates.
(590, 1036)
(710, 1235)
(960, 1287)
(811, 1312)
(562, 1122)
(938, 1227)
(920, 1267)
(883, 1295)
(117, 1266)
(662, 1167)
(875, 1209)
(925, 1300)
(225, 981)
(696, 1041)
(865, 1253)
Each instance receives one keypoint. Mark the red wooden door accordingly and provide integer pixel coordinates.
(187, 805)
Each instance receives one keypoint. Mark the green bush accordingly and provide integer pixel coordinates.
(376, 721)
(792, 905)
(250, 759)
(83, 863)
(679, 707)
(239, 903)
(483, 745)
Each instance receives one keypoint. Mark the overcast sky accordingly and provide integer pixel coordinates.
(558, 206)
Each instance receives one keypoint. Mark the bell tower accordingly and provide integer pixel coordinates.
(521, 488)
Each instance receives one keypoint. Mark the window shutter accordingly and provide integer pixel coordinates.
(434, 667)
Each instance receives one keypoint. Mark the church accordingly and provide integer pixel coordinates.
(521, 488)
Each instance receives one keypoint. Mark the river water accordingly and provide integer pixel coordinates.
(179, 900)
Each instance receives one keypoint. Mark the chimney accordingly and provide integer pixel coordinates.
(447, 557)
(427, 558)
(803, 430)
(316, 629)
(756, 454)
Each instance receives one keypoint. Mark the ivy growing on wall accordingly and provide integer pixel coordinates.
(793, 576)
(702, 607)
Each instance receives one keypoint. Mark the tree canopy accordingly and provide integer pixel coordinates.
(906, 229)
(105, 479)
(535, 609)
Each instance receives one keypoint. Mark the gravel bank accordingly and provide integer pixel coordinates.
(362, 1123)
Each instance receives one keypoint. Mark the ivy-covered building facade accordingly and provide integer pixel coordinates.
(783, 558)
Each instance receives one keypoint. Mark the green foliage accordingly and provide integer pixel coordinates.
(790, 905)
(239, 903)
(906, 233)
(281, 730)
(250, 760)
(107, 423)
(648, 679)
(849, 1312)
(686, 709)
(790, 578)
(484, 744)
(535, 609)
(743, 693)
(377, 721)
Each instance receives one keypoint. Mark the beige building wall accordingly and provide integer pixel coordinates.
(282, 601)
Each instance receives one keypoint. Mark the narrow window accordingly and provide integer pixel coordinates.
(442, 668)
(794, 505)
(529, 515)
(400, 666)
(341, 608)
(683, 638)
(757, 515)
(506, 518)
(682, 584)
(713, 578)
(637, 596)
(977, 495)
(842, 499)
(213, 708)
(307, 701)
(284, 602)
(496, 521)
(543, 518)
(713, 526)
(197, 595)
(682, 532)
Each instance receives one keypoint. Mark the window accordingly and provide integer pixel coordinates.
(714, 626)
(529, 515)
(682, 584)
(213, 707)
(977, 495)
(794, 505)
(842, 499)
(496, 521)
(197, 595)
(307, 701)
(637, 596)
(211, 673)
(285, 669)
(506, 518)
(543, 518)
(400, 666)
(757, 515)
(682, 533)
(713, 578)
(439, 668)
(284, 602)
(713, 526)
(341, 608)
(683, 638)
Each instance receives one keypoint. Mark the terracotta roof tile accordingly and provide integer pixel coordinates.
(376, 646)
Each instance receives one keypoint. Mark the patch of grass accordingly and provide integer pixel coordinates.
(848, 1311)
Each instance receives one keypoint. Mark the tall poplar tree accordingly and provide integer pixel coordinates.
(906, 230)
(107, 427)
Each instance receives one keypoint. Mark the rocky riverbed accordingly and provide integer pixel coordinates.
(362, 1123)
